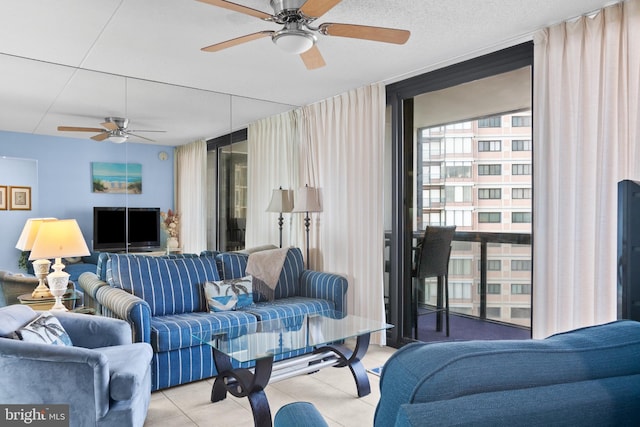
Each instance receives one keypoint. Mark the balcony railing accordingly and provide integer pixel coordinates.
(509, 298)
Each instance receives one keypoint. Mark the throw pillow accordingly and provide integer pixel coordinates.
(230, 294)
(44, 329)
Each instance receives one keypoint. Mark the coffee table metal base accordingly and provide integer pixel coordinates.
(250, 383)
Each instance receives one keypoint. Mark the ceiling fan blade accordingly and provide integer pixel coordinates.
(141, 137)
(101, 136)
(312, 58)
(378, 34)
(317, 8)
(239, 40)
(110, 125)
(238, 8)
(78, 129)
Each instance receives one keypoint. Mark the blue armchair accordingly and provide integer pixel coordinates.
(103, 377)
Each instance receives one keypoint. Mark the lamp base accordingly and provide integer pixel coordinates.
(58, 281)
(41, 269)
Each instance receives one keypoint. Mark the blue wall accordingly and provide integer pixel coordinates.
(59, 172)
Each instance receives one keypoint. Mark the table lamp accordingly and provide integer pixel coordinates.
(307, 200)
(58, 239)
(281, 201)
(41, 266)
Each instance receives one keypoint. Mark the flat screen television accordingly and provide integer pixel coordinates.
(117, 229)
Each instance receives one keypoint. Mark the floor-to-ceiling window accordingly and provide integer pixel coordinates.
(459, 153)
(227, 175)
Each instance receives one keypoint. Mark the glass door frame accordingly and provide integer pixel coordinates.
(400, 100)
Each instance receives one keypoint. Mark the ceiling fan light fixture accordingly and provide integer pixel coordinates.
(294, 41)
(118, 137)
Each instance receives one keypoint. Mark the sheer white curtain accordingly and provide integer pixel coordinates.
(587, 137)
(272, 163)
(342, 151)
(191, 195)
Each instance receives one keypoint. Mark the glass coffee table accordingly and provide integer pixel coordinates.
(270, 347)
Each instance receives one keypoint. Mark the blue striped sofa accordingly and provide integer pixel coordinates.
(163, 300)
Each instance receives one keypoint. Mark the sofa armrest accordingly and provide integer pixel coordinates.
(89, 282)
(329, 286)
(94, 331)
(123, 305)
(72, 375)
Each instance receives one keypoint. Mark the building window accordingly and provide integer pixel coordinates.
(494, 288)
(489, 193)
(493, 265)
(493, 312)
(521, 217)
(432, 147)
(520, 313)
(460, 290)
(460, 267)
(458, 145)
(520, 289)
(521, 145)
(490, 122)
(458, 169)
(521, 121)
(459, 217)
(486, 217)
(459, 194)
(521, 265)
(521, 169)
(489, 169)
(489, 145)
(521, 193)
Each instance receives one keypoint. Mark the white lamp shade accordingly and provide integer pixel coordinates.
(29, 233)
(295, 42)
(59, 239)
(281, 201)
(307, 200)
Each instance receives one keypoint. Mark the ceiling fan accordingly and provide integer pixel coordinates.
(115, 130)
(298, 35)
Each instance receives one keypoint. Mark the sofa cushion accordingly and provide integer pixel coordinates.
(232, 265)
(176, 331)
(230, 294)
(422, 372)
(605, 402)
(169, 286)
(128, 365)
(289, 307)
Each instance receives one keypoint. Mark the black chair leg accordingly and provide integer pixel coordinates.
(415, 308)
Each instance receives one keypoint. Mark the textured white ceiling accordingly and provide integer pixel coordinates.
(74, 62)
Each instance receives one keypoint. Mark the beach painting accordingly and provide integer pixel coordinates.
(116, 177)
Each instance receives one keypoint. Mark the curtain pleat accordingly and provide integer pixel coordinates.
(342, 149)
(272, 163)
(586, 120)
(191, 196)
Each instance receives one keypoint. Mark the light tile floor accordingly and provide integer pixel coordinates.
(331, 390)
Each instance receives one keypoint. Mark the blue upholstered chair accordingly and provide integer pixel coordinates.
(102, 376)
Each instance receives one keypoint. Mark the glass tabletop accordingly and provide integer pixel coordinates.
(273, 337)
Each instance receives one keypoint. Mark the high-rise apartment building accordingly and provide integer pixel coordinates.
(477, 175)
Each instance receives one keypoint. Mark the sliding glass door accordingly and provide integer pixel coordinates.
(459, 153)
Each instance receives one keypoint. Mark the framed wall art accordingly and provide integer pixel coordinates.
(3, 197)
(20, 198)
(116, 177)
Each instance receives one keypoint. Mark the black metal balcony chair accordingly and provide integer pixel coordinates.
(432, 260)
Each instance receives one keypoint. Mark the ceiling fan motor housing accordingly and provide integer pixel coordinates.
(287, 10)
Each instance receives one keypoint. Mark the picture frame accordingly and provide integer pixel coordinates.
(3, 197)
(20, 198)
(111, 178)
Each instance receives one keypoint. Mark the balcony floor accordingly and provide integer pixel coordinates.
(464, 328)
